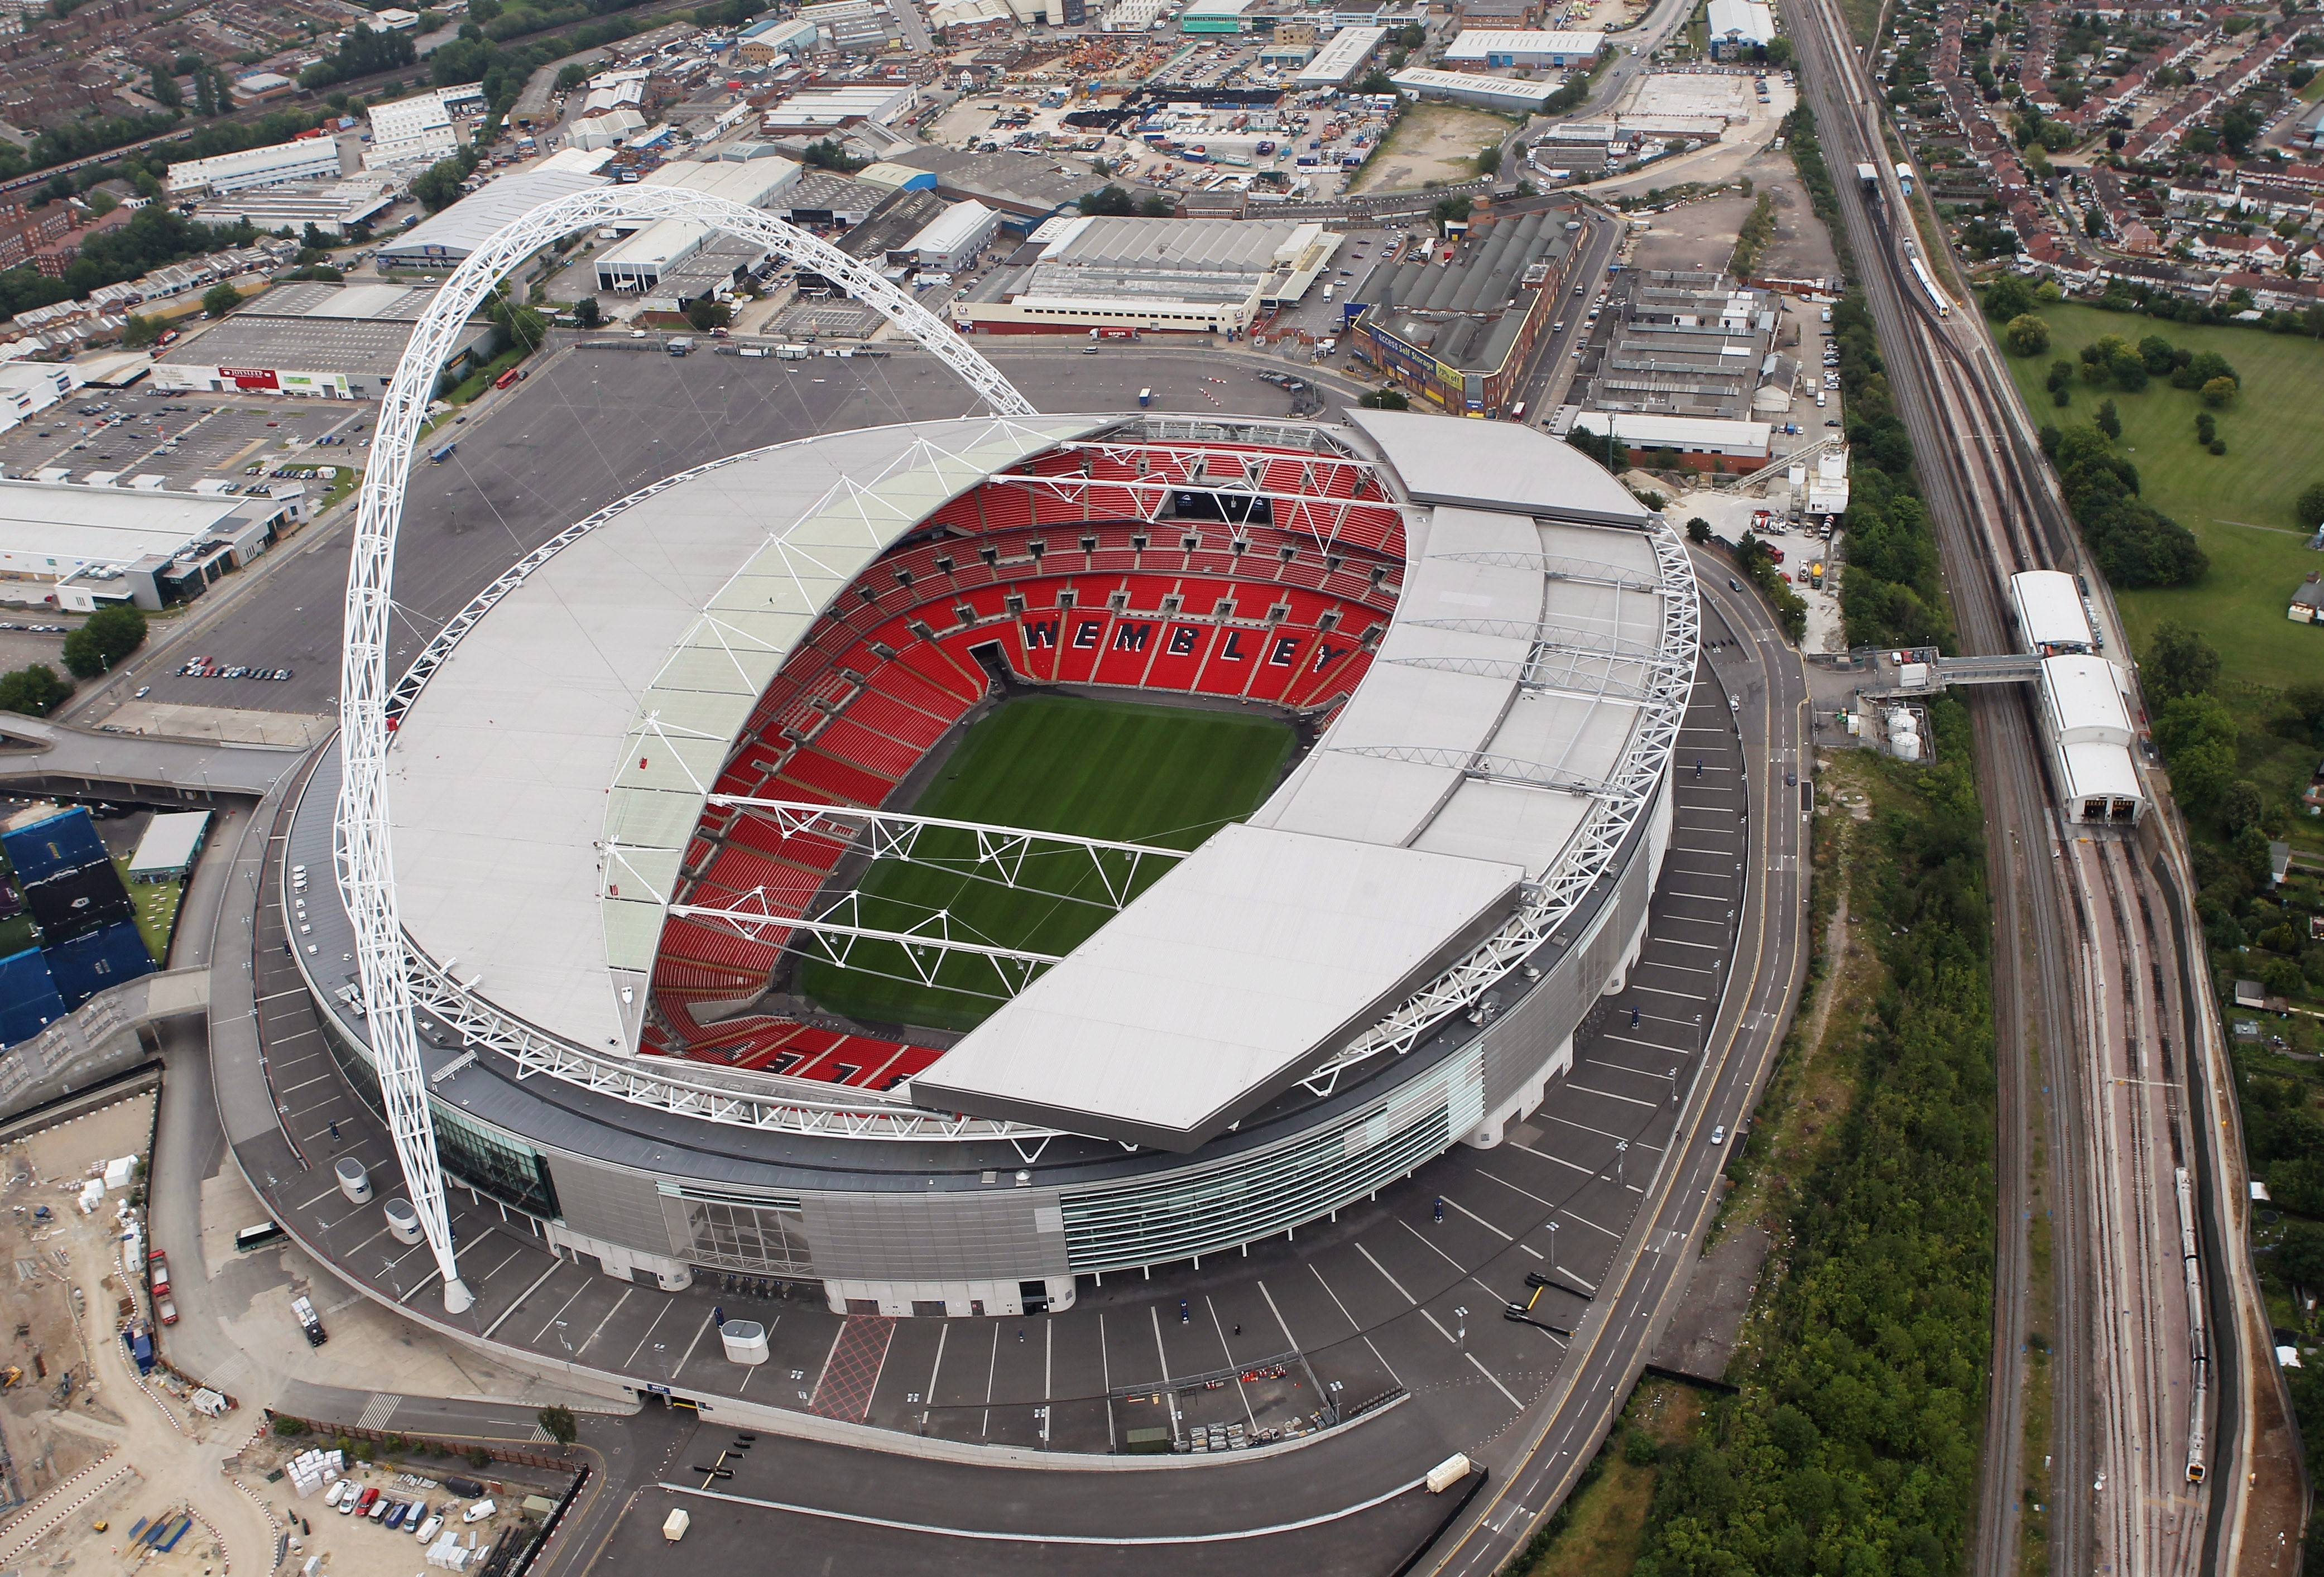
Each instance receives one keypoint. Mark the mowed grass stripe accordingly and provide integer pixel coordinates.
(2238, 504)
(1115, 770)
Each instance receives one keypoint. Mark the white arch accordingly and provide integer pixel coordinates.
(366, 869)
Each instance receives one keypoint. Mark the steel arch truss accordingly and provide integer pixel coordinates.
(362, 850)
(926, 941)
(1552, 566)
(1534, 674)
(1493, 769)
(1668, 679)
(1151, 498)
(1169, 427)
(1326, 513)
(1164, 466)
(1219, 467)
(831, 936)
(888, 835)
(767, 1102)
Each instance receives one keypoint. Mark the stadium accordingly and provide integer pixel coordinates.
(941, 862)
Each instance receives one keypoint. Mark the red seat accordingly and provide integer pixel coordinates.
(675, 976)
(1004, 507)
(764, 1041)
(851, 741)
(741, 875)
(989, 602)
(843, 784)
(1005, 633)
(910, 684)
(722, 959)
(813, 851)
(875, 708)
(965, 513)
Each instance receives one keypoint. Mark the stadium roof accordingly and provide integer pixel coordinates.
(564, 751)
(649, 643)
(1174, 1018)
(1468, 743)
(1497, 465)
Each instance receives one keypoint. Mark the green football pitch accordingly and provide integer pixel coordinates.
(1162, 775)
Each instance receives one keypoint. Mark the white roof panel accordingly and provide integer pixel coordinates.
(170, 841)
(1421, 80)
(1749, 20)
(521, 754)
(1647, 429)
(1404, 706)
(1497, 465)
(1474, 43)
(359, 301)
(1574, 738)
(952, 229)
(1221, 984)
(2085, 696)
(1396, 750)
(1338, 59)
(1370, 799)
(750, 181)
(469, 223)
(1626, 551)
(2100, 769)
(1490, 820)
(564, 749)
(1481, 589)
(2049, 611)
(92, 525)
(1450, 532)
(408, 117)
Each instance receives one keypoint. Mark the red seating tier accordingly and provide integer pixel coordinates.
(867, 695)
(829, 778)
(742, 878)
(813, 851)
(852, 743)
(948, 678)
(785, 1046)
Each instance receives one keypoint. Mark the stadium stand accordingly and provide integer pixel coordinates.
(1061, 582)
